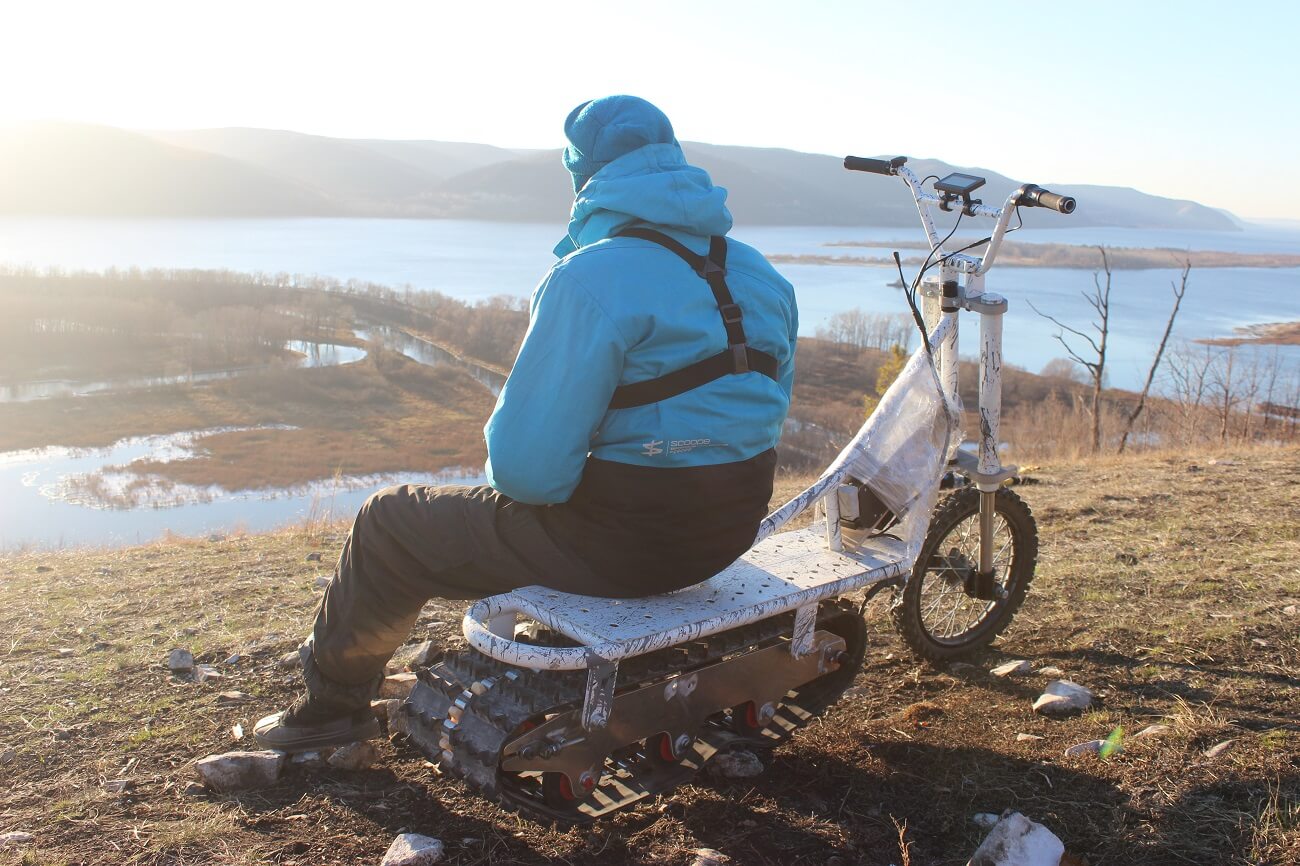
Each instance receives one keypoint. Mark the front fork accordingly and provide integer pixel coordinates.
(947, 297)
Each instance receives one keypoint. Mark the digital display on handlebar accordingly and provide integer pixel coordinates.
(959, 184)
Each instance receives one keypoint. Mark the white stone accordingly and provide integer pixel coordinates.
(1017, 841)
(397, 686)
(291, 660)
(1050, 671)
(385, 710)
(709, 857)
(398, 721)
(412, 656)
(203, 673)
(1290, 610)
(309, 760)
(234, 698)
(237, 771)
(1092, 747)
(1061, 697)
(15, 839)
(1151, 731)
(1027, 738)
(1011, 668)
(739, 764)
(322, 581)
(1219, 748)
(180, 661)
(412, 849)
(354, 756)
(985, 820)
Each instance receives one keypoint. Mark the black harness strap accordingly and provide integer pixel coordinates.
(738, 357)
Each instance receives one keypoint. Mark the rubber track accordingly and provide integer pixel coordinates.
(508, 697)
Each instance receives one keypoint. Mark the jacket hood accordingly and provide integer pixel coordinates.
(654, 185)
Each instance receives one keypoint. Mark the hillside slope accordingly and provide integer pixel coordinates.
(1145, 594)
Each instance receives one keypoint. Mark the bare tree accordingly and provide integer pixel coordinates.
(1225, 384)
(1179, 290)
(1099, 300)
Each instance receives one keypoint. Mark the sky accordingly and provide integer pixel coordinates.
(1183, 99)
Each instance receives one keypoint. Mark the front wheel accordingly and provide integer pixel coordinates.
(944, 613)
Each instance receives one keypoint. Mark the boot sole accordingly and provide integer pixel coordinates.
(282, 739)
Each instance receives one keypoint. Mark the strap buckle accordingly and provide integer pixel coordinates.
(731, 313)
(739, 358)
(710, 268)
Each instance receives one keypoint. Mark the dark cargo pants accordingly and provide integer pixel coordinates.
(411, 543)
(626, 531)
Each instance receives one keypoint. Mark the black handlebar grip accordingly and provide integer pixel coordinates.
(1036, 196)
(875, 166)
(1056, 201)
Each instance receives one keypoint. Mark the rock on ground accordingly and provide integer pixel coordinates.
(322, 581)
(1092, 747)
(180, 661)
(354, 756)
(1151, 731)
(1219, 748)
(412, 656)
(309, 760)
(1027, 738)
(398, 721)
(709, 857)
(15, 839)
(397, 686)
(985, 820)
(1050, 671)
(412, 849)
(1061, 697)
(238, 771)
(385, 710)
(1017, 841)
(1011, 668)
(291, 660)
(739, 764)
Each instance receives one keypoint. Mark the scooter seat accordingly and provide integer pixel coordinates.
(783, 572)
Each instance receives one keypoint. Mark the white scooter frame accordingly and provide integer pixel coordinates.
(798, 569)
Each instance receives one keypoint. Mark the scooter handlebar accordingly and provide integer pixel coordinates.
(875, 166)
(1032, 195)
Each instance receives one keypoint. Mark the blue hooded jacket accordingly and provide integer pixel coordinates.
(615, 311)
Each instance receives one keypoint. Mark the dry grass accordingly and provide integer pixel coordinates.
(1192, 636)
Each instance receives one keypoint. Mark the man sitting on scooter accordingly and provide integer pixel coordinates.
(631, 450)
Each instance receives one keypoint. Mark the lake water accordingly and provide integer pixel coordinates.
(475, 260)
(43, 501)
(54, 497)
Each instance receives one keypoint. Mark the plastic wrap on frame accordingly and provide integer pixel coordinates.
(899, 452)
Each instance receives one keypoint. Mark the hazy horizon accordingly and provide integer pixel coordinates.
(1181, 105)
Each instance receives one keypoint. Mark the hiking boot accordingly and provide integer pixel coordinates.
(311, 724)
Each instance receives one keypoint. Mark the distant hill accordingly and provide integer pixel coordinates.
(79, 169)
(101, 171)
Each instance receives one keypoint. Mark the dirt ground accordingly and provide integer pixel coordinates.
(1167, 585)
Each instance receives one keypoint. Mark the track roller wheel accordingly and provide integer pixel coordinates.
(559, 793)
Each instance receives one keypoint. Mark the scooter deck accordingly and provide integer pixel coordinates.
(783, 572)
